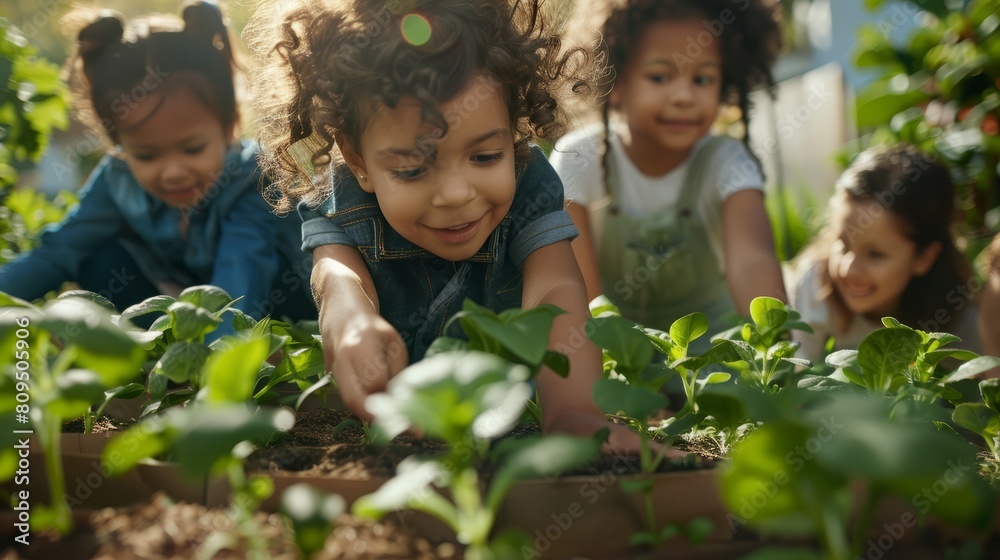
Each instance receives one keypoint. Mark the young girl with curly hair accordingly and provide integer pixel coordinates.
(405, 126)
(671, 216)
(886, 251)
(177, 202)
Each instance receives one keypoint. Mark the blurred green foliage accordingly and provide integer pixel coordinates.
(941, 91)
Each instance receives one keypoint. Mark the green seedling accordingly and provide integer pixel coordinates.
(798, 472)
(983, 418)
(59, 361)
(369, 435)
(909, 363)
(466, 399)
(761, 351)
(632, 389)
(312, 514)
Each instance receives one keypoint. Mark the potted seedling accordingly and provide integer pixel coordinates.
(61, 359)
(465, 398)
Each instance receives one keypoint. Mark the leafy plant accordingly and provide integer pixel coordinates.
(763, 353)
(312, 515)
(939, 92)
(58, 361)
(909, 363)
(796, 474)
(465, 398)
(983, 418)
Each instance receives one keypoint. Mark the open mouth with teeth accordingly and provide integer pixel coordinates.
(458, 233)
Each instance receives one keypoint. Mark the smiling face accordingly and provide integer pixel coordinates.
(445, 195)
(873, 261)
(669, 93)
(174, 146)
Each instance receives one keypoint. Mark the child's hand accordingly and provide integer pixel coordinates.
(368, 352)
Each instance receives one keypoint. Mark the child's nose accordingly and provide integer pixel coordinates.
(173, 170)
(683, 92)
(454, 191)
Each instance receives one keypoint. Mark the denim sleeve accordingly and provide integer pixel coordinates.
(538, 213)
(319, 230)
(248, 257)
(64, 247)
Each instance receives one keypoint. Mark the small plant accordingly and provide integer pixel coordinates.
(800, 472)
(59, 361)
(465, 398)
(909, 363)
(312, 514)
(983, 418)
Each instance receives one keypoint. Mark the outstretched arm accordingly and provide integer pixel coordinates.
(360, 348)
(552, 276)
(585, 250)
(752, 268)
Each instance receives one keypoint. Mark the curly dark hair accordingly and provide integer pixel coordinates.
(918, 190)
(748, 31)
(325, 64)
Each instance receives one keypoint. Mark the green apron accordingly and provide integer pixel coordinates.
(660, 267)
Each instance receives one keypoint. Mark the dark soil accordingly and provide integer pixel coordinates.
(164, 530)
(103, 425)
(314, 446)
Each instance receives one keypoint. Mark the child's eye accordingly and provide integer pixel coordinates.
(877, 254)
(486, 159)
(704, 80)
(658, 78)
(407, 174)
(144, 157)
(194, 150)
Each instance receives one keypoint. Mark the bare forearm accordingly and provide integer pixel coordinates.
(760, 277)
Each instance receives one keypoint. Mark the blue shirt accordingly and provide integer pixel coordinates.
(234, 240)
(417, 291)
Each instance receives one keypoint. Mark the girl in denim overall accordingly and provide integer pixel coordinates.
(179, 203)
(672, 218)
(409, 145)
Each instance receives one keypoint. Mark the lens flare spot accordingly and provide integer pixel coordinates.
(416, 29)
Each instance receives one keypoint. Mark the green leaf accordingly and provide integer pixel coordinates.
(934, 357)
(312, 514)
(525, 336)
(190, 322)
(101, 346)
(781, 553)
(230, 373)
(557, 362)
(885, 354)
(80, 385)
(768, 313)
(210, 298)
(626, 344)
(717, 377)
(614, 397)
(152, 305)
(92, 297)
(446, 344)
(183, 361)
(990, 391)
(688, 328)
(882, 100)
(412, 481)
(203, 434)
(125, 392)
(782, 349)
(978, 418)
(142, 441)
(973, 367)
(601, 306)
(546, 456)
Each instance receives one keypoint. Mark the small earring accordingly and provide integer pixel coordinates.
(363, 178)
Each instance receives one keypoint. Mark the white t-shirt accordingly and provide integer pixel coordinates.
(577, 158)
(816, 312)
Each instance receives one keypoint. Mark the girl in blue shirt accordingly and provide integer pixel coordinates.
(179, 204)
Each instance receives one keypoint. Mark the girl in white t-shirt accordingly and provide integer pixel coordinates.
(672, 218)
(886, 251)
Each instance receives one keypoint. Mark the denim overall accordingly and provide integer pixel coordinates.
(660, 267)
